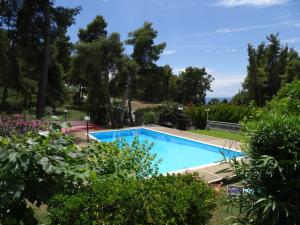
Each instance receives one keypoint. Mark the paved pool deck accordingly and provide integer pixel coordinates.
(210, 173)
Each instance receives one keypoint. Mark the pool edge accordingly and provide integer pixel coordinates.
(174, 135)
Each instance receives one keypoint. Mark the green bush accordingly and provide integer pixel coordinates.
(287, 99)
(220, 112)
(228, 113)
(151, 117)
(271, 169)
(161, 200)
(34, 167)
(197, 116)
(168, 115)
(172, 115)
(118, 113)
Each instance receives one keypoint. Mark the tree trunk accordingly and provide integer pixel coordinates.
(80, 99)
(107, 95)
(130, 112)
(4, 97)
(125, 96)
(25, 101)
(41, 97)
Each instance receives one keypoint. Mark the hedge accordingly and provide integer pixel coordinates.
(171, 199)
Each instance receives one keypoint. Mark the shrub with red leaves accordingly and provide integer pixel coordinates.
(19, 124)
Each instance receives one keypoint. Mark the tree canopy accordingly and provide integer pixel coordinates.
(270, 67)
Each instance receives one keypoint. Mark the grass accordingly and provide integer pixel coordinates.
(73, 114)
(223, 213)
(221, 134)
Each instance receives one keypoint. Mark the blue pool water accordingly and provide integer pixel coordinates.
(175, 153)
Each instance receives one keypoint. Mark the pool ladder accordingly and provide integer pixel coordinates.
(230, 145)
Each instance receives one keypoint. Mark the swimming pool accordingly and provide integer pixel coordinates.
(176, 153)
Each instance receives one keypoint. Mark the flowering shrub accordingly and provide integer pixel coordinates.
(20, 124)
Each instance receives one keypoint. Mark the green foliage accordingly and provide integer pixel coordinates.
(172, 115)
(145, 53)
(96, 72)
(220, 112)
(35, 167)
(169, 114)
(214, 101)
(32, 167)
(287, 99)
(151, 117)
(94, 30)
(117, 111)
(24, 24)
(270, 67)
(271, 169)
(292, 69)
(240, 98)
(171, 199)
(197, 115)
(229, 113)
(193, 84)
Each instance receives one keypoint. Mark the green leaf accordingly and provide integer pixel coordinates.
(13, 156)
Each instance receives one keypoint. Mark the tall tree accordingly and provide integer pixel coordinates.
(8, 21)
(273, 52)
(127, 71)
(4, 66)
(57, 19)
(270, 66)
(94, 30)
(292, 71)
(256, 80)
(145, 53)
(194, 82)
(98, 55)
(33, 28)
(41, 96)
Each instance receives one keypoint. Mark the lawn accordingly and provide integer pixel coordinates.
(72, 114)
(220, 134)
(223, 213)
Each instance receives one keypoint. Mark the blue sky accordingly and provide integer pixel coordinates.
(203, 33)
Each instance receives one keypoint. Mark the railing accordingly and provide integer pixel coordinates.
(223, 125)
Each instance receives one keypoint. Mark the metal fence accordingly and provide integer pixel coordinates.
(223, 125)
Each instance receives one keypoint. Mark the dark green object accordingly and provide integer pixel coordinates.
(171, 199)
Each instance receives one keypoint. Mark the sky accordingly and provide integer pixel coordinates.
(203, 33)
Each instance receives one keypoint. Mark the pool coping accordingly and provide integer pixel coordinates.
(190, 169)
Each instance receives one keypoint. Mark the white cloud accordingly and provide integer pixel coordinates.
(169, 52)
(177, 71)
(292, 40)
(225, 85)
(257, 3)
(290, 23)
(232, 50)
(227, 30)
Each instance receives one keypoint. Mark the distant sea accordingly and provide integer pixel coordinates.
(220, 99)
